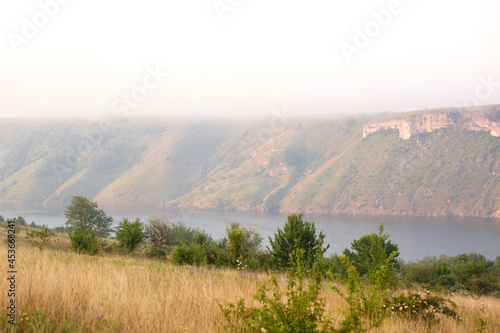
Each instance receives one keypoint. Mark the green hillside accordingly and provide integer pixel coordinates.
(296, 165)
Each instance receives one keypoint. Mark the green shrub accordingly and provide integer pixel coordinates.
(130, 235)
(39, 238)
(208, 254)
(370, 252)
(472, 271)
(20, 221)
(296, 232)
(433, 273)
(84, 240)
(154, 252)
(242, 242)
(365, 302)
(416, 307)
(299, 309)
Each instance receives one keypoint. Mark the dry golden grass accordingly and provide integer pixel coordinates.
(158, 297)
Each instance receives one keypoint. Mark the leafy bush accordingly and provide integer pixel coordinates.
(370, 252)
(211, 253)
(242, 243)
(365, 302)
(20, 221)
(434, 273)
(130, 235)
(157, 233)
(84, 240)
(184, 234)
(296, 233)
(414, 306)
(39, 238)
(472, 272)
(299, 309)
(154, 252)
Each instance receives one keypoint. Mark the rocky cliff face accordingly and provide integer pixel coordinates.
(416, 124)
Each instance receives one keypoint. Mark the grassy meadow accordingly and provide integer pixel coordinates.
(60, 291)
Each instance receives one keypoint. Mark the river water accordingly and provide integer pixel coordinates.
(416, 236)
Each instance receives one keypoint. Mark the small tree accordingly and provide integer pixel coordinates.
(296, 233)
(39, 238)
(130, 234)
(242, 241)
(159, 236)
(370, 252)
(84, 240)
(300, 308)
(83, 213)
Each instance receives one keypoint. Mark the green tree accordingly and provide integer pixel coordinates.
(372, 251)
(83, 213)
(296, 234)
(130, 234)
(20, 220)
(84, 240)
(243, 242)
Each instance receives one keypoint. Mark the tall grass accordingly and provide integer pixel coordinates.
(140, 295)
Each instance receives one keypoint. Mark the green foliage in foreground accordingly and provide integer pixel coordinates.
(299, 309)
(368, 254)
(296, 233)
(130, 235)
(84, 240)
(472, 272)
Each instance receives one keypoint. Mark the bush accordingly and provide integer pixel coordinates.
(154, 252)
(416, 307)
(242, 243)
(365, 302)
(157, 232)
(184, 234)
(130, 235)
(299, 309)
(20, 221)
(471, 271)
(84, 240)
(296, 233)
(211, 253)
(39, 238)
(434, 273)
(370, 252)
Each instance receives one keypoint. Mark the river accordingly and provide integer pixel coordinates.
(416, 236)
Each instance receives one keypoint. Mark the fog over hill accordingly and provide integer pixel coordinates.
(430, 163)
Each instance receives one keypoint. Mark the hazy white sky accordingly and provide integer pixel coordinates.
(84, 58)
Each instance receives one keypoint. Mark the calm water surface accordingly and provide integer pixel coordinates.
(415, 236)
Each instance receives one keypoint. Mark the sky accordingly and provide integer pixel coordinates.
(210, 58)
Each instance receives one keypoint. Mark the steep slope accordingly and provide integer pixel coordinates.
(430, 162)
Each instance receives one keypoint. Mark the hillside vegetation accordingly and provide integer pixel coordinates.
(278, 164)
(63, 291)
